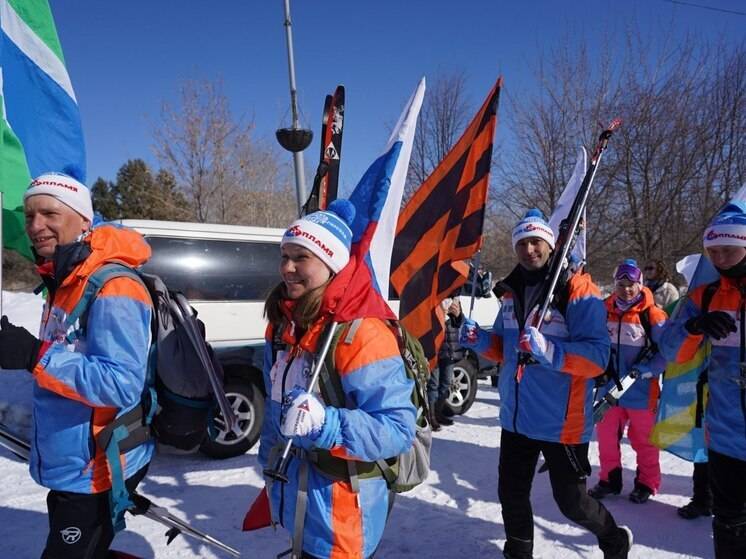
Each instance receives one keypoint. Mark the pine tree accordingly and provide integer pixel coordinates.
(169, 202)
(105, 199)
(134, 187)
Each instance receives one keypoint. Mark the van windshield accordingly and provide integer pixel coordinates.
(215, 270)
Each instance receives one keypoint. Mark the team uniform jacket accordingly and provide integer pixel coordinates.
(551, 403)
(81, 387)
(377, 422)
(627, 342)
(725, 423)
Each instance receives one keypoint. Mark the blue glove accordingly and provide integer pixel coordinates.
(534, 342)
(303, 415)
(468, 334)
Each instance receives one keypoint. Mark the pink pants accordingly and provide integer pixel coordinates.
(610, 432)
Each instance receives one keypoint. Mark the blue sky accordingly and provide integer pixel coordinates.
(126, 58)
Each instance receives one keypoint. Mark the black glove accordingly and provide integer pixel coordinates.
(715, 324)
(19, 348)
(603, 379)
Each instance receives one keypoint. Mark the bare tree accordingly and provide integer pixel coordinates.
(444, 115)
(227, 174)
(679, 154)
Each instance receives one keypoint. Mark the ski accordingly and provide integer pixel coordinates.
(611, 398)
(142, 505)
(568, 233)
(326, 180)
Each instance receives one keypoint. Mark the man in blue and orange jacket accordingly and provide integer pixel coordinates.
(547, 409)
(716, 314)
(83, 378)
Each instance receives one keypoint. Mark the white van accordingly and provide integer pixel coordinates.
(226, 272)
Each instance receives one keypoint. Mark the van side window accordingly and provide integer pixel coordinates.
(215, 270)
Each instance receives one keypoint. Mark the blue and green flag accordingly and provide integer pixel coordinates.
(40, 126)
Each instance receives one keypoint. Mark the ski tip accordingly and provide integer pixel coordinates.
(614, 124)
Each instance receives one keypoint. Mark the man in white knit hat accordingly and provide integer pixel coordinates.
(85, 377)
(546, 403)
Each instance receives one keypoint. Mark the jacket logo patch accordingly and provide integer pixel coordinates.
(71, 535)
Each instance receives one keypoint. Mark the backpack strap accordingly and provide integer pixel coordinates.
(332, 392)
(330, 384)
(132, 428)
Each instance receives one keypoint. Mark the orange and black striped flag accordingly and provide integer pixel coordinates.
(441, 227)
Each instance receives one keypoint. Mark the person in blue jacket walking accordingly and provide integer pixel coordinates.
(548, 408)
(336, 501)
(722, 325)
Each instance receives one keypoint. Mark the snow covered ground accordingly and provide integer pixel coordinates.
(455, 514)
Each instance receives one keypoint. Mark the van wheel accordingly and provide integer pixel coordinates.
(463, 387)
(248, 405)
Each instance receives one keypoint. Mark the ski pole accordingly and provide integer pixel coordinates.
(180, 307)
(14, 443)
(474, 282)
(142, 505)
(279, 473)
(175, 525)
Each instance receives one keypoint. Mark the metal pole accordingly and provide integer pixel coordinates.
(300, 186)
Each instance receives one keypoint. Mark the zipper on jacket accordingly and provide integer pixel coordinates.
(91, 440)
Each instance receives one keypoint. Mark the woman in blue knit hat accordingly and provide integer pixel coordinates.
(335, 502)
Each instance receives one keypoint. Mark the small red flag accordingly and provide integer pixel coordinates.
(259, 515)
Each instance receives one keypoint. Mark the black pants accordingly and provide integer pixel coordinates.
(702, 495)
(729, 505)
(80, 523)
(568, 469)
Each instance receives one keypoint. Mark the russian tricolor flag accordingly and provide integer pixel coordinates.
(378, 195)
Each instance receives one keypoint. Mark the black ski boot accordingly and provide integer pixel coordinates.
(620, 544)
(518, 549)
(641, 493)
(434, 424)
(694, 509)
(611, 487)
(440, 415)
(701, 503)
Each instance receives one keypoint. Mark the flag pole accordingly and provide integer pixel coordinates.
(477, 262)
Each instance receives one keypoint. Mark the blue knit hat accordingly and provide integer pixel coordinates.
(325, 233)
(728, 227)
(533, 224)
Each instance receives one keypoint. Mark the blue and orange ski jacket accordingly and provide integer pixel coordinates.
(628, 339)
(554, 403)
(725, 415)
(81, 386)
(377, 422)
